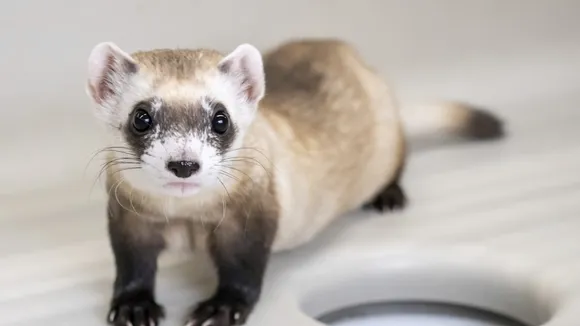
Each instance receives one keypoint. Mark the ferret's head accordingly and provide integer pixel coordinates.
(175, 115)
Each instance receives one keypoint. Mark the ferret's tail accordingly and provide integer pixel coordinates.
(452, 119)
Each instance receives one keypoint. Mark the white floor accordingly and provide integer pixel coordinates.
(518, 198)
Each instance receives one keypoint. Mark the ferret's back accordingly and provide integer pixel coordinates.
(339, 132)
(314, 86)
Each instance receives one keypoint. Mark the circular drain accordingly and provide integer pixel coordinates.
(442, 289)
(415, 314)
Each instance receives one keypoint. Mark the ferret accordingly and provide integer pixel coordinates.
(243, 155)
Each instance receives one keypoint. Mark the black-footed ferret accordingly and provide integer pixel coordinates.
(204, 154)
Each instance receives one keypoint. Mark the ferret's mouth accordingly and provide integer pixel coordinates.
(182, 186)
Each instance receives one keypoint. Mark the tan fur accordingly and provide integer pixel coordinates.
(181, 65)
(427, 120)
(341, 138)
(326, 139)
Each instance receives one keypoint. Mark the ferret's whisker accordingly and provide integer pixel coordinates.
(112, 163)
(117, 195)
(226, 189)
(240, 171)
(250, 148)
(104, 168)
(223, 204)
(127, 169)
(223, 213)
(113, 186)
(103, 150)
(152, 166)
(229, 175)
(131, 201)
(247, 160)
(128, 152)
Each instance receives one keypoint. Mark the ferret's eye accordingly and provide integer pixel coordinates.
(220, 123)
(142, 120)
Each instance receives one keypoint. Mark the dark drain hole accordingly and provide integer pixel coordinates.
(418, 309)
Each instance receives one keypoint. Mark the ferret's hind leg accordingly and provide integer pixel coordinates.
(390, 198)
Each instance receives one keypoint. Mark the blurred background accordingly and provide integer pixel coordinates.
(520, 58)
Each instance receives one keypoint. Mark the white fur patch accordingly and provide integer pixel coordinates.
(156, 104)
(177, 147)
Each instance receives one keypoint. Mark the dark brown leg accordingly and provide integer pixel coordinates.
(240, 256)
(136, 254)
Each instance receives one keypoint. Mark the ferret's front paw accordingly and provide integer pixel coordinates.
(220, 311)
(135, 309)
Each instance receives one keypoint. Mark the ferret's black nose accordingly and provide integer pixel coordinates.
(183, 169)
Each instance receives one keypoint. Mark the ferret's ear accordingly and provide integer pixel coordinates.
(109, 71)
(245, 65)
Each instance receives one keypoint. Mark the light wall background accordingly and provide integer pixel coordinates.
(478, 50)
